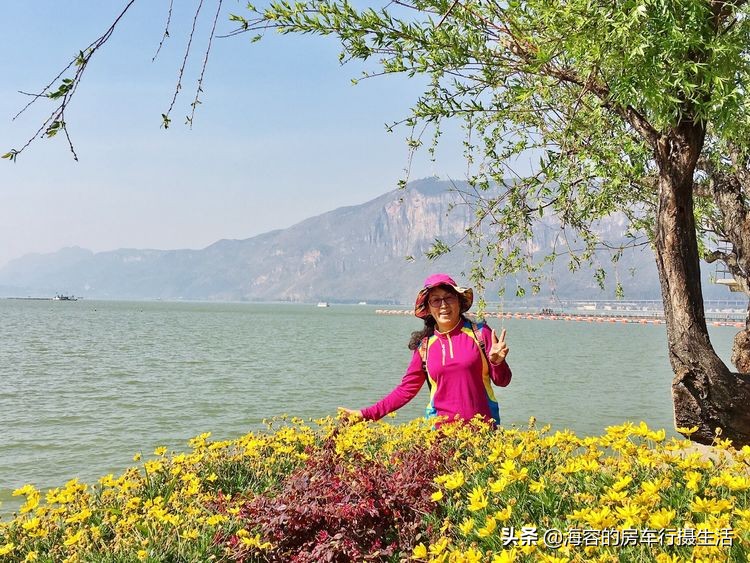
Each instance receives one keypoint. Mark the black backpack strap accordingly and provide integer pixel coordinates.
(423, 355)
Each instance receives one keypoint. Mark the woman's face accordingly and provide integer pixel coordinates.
(445, 307)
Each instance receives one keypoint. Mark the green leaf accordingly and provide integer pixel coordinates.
(11, 155)
(438, 248)
(599, 276)
(619, 291)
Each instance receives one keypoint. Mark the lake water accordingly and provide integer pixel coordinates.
(85, 385)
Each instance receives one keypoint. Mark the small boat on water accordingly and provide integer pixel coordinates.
(62, 297)
(323, 304)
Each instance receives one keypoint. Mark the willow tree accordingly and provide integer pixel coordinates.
(629, 106)
(636, 106)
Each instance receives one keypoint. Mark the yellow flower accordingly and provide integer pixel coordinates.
(473, 555)
(466, 526)
(499, 485)
(437, 496)
(615, 496)
(580, 515)
(661, 518)
(7, 548)
(537, 486)
(419, 552)
(587, 464)
(74, 539)
(215, 519)
(31, 525)
(137, 457)
(508, 467)
(133, 503)
(505, 556)
(255, 541)
(490, 525)
(738, 483)
(600, 519)
(142, 554)
(652, 488)
(622, 483)
(454, 480)
(32, 497)
(477, 499)
(630, 514)
(439, 546)
(504, 514)
(161, 450)
(31, 556)
(692, 478)
(79, 517)
(709, 506)
(657, 436)
(153, 466)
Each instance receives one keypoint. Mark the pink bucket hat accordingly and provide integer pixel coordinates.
(465, 294)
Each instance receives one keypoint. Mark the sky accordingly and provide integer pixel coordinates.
(282, 134)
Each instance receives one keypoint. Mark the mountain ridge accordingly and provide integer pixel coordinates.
(349, 254)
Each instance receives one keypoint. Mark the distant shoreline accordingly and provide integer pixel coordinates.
(586, 317)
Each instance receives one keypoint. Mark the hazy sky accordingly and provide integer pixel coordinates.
(282, 134)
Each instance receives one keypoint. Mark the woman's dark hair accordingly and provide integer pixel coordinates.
(429, 329)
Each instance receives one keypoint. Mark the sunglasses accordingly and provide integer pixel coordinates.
(438, 301)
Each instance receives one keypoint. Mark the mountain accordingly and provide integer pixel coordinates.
(349, 254)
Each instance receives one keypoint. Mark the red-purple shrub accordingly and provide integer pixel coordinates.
(344, 510)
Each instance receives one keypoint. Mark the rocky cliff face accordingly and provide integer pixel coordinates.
(349, 254)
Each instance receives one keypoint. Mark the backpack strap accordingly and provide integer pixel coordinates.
(480, 342)
(423, 354)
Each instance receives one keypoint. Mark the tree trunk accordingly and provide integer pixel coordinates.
(741, 347)
(705, 392)
(728, 189)
(741, 351)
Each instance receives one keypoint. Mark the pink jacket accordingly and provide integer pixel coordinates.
(460, 378)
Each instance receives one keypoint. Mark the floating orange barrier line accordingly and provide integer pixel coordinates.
(567, 317)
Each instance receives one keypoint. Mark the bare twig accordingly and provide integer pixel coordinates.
(178, 87)
(166, 31)
(199, 87)
(56, 118)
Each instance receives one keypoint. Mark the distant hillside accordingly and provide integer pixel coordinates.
(349, 254)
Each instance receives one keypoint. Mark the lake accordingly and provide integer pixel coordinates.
(85, 385)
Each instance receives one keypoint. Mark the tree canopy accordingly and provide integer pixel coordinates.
(586, 90)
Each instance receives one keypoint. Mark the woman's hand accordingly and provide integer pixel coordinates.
(499, 349)
(350, 412)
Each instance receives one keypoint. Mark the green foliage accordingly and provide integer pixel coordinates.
(54, 128)
(438, 248)
(11, 155)
(580, 88)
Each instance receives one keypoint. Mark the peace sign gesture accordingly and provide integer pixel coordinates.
(499, 349)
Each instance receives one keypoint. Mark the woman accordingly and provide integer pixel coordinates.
(458, 359)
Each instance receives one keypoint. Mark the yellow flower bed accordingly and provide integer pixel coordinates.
(505, 495)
